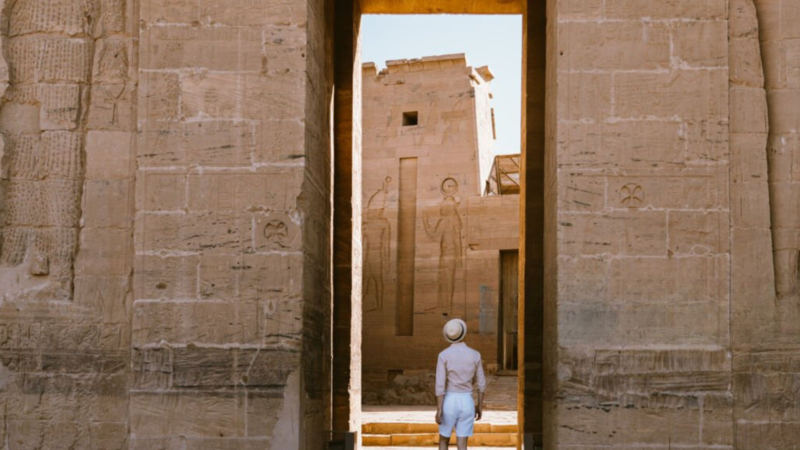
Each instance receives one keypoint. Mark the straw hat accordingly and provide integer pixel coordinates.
(454, 331)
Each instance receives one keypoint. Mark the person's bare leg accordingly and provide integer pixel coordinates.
(443, 442)
(462, 443)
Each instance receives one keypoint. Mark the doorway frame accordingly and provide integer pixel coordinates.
(537, 308)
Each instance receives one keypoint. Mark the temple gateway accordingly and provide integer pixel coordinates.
(199, 218)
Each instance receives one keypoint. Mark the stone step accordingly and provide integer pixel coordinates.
(432, 439)
(430, 427)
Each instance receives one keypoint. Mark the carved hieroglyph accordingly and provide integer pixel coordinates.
(447, 232)
(377, 235)
(49, 46)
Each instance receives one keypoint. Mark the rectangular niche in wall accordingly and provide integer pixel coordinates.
(410, 118)
(406, 247)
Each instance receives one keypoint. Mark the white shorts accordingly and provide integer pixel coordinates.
(458, 411)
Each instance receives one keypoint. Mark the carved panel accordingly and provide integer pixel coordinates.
(50, 49)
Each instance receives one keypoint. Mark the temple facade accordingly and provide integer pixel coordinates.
(434, 237)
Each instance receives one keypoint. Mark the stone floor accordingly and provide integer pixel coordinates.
(500, 404)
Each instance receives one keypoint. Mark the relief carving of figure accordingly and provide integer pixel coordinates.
(377, 235)
(49, 48)
(447, 232)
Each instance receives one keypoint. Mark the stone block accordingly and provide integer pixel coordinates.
(580, 9)
(253, 12)
(749, 110)
(187, 414)
(701, 43)
(218, 49)
(692, 279)
(212, 95)
(111, 297)
(220, 143)
(159, 96)
(633, 233)
(204, 368)
(617, 45)
(166, 277)
(172, 12)
(694, 323)
(108, 155)
(104, 252)
(745, 62)
(580, 192)
(280, 141)
(112, 107)
(195, 322)
(671, 9)
(262, 413)
(160, 144)
(688, 189)
(215, 278)
(699, 233)
(690, 94)
(108, 204)
(752, 208)
(273, 95)
(585, 95)
(161, 192)
(706, 142)
(239, 191)
(590, 286)
(107, 435)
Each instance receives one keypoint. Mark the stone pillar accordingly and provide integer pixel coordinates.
(643, 226)
(347, 259)
(67, 123)
(532, 220)
(232, 264)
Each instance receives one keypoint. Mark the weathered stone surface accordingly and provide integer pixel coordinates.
(166, 219)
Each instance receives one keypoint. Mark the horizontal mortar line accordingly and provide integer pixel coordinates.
(612, 256)
(230, 346)
(703, 347)
(195, 169)
(189, 300)
(169, 254)
(616, 71)
(184, 72)
(664, 446)
(666, 303)
(601, 212)
(644, 19)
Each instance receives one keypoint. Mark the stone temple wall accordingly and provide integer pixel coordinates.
(431, 242)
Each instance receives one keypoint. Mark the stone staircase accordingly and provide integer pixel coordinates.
(404, 434)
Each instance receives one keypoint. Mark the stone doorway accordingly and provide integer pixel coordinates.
(344, 409)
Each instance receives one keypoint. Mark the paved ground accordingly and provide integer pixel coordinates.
(500, 406)
(418, 448)
(422, 414)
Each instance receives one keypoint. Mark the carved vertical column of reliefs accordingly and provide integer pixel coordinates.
(377, 236)
(50, 48)
(447, 232)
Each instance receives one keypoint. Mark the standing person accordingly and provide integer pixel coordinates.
(457, 368)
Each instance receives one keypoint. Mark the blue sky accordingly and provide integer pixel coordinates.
(495, 41)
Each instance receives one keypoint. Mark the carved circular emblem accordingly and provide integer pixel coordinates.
(631, 195)
(277, 232)
(387, 180)
(449, 186)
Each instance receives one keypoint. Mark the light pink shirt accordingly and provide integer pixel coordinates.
(458, 365)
